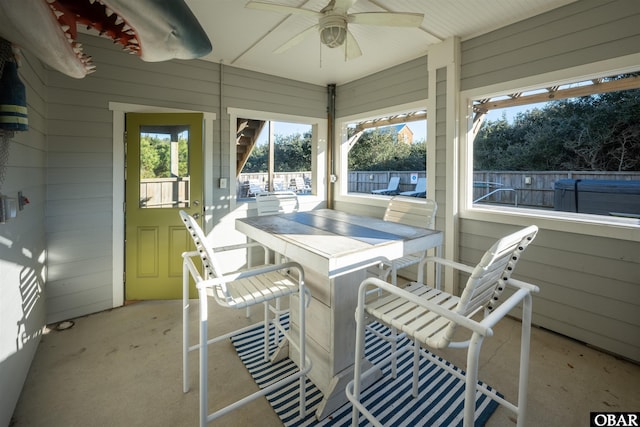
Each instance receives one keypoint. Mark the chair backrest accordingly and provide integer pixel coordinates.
(411, 211)
(206, 252)
(489, 277)
(255, 186)
(278, 184)
(274, 203)
(394, 183)
(299, 184)
(421, 185)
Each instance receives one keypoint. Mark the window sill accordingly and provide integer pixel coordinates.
(569, 222)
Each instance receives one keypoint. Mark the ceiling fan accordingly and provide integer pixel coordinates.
(333, 20)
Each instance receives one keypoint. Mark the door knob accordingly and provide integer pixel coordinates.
(196, 215)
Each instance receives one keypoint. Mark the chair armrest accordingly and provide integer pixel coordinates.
(463, 321)
(503, 309)
(523, 285)
(449, 263)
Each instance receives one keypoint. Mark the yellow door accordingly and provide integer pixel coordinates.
(164, 175)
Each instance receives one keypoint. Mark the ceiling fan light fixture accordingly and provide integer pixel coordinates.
(333, 36)
(333, 30)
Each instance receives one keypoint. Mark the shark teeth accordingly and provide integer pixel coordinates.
(113, 26)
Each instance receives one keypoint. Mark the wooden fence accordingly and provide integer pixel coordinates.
(533, 189)
(164, 192)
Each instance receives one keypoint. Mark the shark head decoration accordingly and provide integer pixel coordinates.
(155, 30)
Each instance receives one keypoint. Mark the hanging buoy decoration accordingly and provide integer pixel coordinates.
(13, 96)
(13, 100)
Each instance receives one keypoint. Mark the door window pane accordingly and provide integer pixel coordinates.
(164, 166)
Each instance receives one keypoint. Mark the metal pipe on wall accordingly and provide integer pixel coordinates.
(331, 111)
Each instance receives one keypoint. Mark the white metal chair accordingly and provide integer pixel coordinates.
(430, 317)
(239, 290)
(278, 202)
(271, 204)
(410, 211)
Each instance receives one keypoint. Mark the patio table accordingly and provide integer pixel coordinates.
(335, 248)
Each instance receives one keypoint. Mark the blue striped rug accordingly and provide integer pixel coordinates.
(440, 400)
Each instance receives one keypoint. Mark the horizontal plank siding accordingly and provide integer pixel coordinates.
(579, 33)
(399, 85)
(589, 285)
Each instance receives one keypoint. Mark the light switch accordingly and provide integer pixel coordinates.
(223, 182)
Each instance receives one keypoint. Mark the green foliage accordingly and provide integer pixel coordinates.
(597, 132)
(379, 150)
(292, 153)
(155, 157)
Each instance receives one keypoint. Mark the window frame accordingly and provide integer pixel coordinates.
(318, 146)
(596, 225)
(341, 165)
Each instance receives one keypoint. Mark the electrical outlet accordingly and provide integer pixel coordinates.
(223, 182)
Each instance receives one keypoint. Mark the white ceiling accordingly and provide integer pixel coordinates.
(246, 38)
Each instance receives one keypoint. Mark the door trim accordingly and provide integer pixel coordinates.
(119, 110)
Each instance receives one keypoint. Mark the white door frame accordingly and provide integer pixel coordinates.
(119, 111)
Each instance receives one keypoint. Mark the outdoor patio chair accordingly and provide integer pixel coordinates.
(298, 185)
(239, 290)
(255, 188)
(430, 317)
(278, 184)
(419, 191)
(392, 187)
(410, 211)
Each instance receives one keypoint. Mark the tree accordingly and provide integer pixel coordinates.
(379, 150)
(597, 132)
(292, 153)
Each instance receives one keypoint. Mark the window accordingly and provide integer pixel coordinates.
(579, 153)
(164, 166)
(278, 155)
(249, 136)
(377, 150)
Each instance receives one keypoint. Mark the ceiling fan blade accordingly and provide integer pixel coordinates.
(339, 5)
(390, 19)
(272, 7)
(296, 39)
(351, 47)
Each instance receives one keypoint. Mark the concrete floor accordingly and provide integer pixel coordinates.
(122, 367)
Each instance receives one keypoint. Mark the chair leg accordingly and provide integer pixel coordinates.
(357, 370)
(185, 328)
(416, 368)
(471, 383)
(303, 348)
(266, 331)
(204, 398)
(525, 344)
